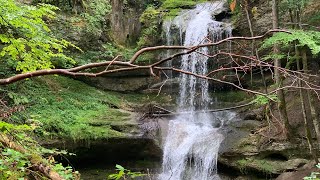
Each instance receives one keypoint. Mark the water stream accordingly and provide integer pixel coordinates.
(192, 143)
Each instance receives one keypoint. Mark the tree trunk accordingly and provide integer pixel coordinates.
(255, 51)
(251, 32)
(314, 113)
(277, 63)
(304, 112)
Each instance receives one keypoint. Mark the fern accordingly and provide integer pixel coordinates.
(310, 39)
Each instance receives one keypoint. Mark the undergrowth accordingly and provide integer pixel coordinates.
(21, 157)
(68, 108)
(65, 107)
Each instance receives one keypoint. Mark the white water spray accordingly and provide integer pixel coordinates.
(192, 144)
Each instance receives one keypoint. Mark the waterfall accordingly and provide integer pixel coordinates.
(192, 143)
(167, 29)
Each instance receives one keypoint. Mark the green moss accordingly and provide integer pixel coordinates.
(68, 108)
(174, 7)
(185, 4)
(242, 164)
(65, 107)
(150, 19)
(261, 165)
(266, 166)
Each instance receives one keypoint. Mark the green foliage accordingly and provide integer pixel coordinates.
(313, 176)
(95, 16)
(150, 19)
(69, 108)
(64, 172)
(111, 50)
(62, 4)
(150, 16)
(13, 164)
(63, 107)
(28, 45)
(175, 6)
(7, 127)
(108, 51)
(315, 18)
(17, 99)
(16, 164)
(293, 4)
(124, 174)
(310, 39)
(262, 100)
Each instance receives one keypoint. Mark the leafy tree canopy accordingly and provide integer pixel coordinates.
(25, 39)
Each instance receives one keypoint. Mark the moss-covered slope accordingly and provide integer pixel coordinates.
(69, 108)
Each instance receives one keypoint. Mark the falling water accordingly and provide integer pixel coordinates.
(192, 143)
(167, 28)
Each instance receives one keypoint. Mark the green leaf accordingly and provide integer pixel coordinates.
(120, 168)
(262, 100)
(310, 39)
(30, 44)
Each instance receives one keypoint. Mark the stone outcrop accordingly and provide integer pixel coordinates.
(123, 84)
(246, 151)
(125, 24)
(137, 143)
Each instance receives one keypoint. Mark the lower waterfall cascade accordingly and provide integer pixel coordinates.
(190, 151)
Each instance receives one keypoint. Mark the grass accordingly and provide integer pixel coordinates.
(69, 108)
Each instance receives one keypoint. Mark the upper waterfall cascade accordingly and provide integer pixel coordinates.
(192, 143)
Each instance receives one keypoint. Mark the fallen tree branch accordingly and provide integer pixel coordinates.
(203, 111)
(129, 66)
(194, 48)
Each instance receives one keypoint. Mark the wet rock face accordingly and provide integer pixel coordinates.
(123, 84)
(137, 144)
(261, 20)
(125, 24)
(247, 152)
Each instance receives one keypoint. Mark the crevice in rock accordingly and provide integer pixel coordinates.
(112, 151)
(223, 15)
(276, 157)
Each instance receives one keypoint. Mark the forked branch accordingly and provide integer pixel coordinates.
(115, 65)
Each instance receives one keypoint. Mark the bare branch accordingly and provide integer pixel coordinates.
(120, 66)
(194, 48)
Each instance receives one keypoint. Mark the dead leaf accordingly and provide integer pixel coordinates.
(233, 5)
